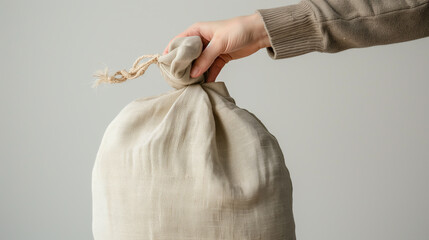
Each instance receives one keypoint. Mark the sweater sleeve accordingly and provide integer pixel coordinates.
(336, 25)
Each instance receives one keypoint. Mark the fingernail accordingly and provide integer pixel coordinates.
(194, 72)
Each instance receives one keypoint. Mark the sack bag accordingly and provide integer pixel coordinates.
(188, 164)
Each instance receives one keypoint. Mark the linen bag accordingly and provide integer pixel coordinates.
(188, 164)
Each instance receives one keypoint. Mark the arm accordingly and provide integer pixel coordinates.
(336, 25)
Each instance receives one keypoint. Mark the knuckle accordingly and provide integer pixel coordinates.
(195, 25)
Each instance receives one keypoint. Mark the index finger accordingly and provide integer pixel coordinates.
(193, 30)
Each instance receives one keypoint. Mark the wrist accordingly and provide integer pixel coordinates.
(259, 31)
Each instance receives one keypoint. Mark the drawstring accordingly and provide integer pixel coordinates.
(137, 70)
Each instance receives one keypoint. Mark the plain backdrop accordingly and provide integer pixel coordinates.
(353, 125)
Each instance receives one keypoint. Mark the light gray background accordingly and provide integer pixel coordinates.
(353, 125)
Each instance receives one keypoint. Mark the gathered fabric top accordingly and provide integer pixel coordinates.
(175, 66)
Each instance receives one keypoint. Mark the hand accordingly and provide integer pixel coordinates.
(225, 40)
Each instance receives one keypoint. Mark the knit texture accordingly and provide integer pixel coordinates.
(292, 30)
(336, 25)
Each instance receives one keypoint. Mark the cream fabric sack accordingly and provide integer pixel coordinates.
(188, 164)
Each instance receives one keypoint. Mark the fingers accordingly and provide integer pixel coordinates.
(207, 57)
(193, 30)
(217, 66)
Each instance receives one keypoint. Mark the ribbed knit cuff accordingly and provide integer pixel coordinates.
(293, 30)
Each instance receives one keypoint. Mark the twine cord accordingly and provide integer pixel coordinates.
(135, 71)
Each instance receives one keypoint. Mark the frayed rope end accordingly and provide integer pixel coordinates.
(102, 77)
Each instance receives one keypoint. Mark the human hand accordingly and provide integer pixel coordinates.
(225, 40)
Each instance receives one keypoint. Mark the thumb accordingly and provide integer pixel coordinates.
(205, 60)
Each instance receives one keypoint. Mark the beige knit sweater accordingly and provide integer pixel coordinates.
(336, 25)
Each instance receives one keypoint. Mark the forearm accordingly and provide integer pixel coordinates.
(336, 25)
